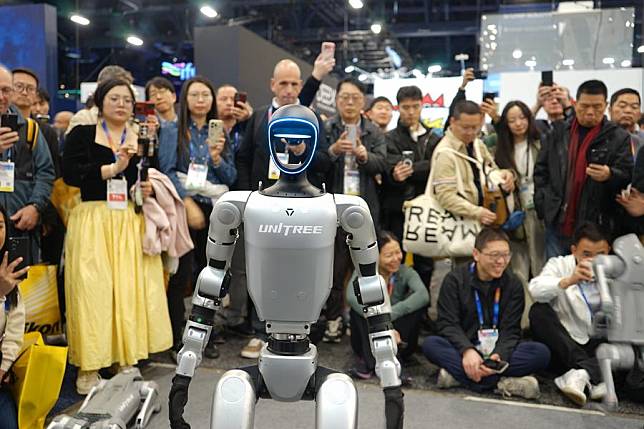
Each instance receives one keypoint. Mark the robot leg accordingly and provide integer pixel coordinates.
(150, 391)
(336, 403)
(233, 405)
(613, 356)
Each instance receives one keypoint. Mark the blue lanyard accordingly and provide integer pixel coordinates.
(109, 138)
(479, 307)
(583, 295)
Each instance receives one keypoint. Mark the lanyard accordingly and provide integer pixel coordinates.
(111, 142)
(479, 309)
(583, 295)
(390, 285)
(633, 149)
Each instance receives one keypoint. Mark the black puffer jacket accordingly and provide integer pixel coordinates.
(597, 202)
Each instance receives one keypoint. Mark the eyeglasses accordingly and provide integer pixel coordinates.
(200, 95)
(160, 91)
(6, 91)
(353, 97)
(21, 87)
(498, 256)
(117, 99)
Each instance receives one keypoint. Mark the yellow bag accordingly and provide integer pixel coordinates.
(39, 292)
(39, 372)
(64, 198)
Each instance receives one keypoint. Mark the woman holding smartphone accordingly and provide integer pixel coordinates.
(116, 305)
(12, 324)
(192, 160)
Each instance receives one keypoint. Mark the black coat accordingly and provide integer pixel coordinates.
(253, 155)
(374, 141)
(395, 193)
(457, 317)
(597, 202)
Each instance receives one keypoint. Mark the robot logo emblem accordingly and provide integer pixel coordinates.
(289, 212)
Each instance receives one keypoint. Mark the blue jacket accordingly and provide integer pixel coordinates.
(170, 162)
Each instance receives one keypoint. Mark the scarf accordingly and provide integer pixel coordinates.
(577, 163)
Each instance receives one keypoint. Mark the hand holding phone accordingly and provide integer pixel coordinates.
(352, 134)
(19, 257)
(215, 131)
(328, 50)
(9, 120)
(547, 78)
(497, 366)
(240, 97)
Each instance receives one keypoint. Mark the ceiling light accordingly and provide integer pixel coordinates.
(136, 41)
(209, 11)
(484, 66)
(640, 49)
(625, 63)
(417, 74)
(434, 68)
(80, 20)
(568, 62)
(349, 69)
(531, 63)
(608, 60)
(362, 77)
(354, 60)
(376, 28)
(356, 4)
(516, 54)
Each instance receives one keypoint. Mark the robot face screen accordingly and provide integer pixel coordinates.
(292, 144)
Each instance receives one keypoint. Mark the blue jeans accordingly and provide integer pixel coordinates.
(556, 244)
(8, 414)
(527, 358)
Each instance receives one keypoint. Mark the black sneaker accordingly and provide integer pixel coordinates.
(211, 351)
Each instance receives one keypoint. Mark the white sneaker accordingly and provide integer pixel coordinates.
(446, 380)
(252, 349)
(526, 387)
(573, 384)
(86, 380)
(598, 391)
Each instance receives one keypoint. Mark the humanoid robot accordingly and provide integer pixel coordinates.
(289, 233)
(619, 313)
(113, 403)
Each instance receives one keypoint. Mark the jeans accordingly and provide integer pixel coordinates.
(556, 244)
(8, 413)
(527, 358)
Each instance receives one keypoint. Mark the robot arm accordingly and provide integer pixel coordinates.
(212, 286)
(369, 287)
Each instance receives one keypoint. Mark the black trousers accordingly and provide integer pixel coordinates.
(566, 352)
(342, 265)
(200, 239)
(178, 285)
(407, 326)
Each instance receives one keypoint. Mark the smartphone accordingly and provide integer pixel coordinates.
(143, 109)
(490, 96)
(352, 133)
(328, 50)
(9, 120)
(215, 130)
(43, 118)
(19, 247)
(240, 97)
(480, 74)
(498, 366)
(408, 157)
(598, 156)
(546, 78)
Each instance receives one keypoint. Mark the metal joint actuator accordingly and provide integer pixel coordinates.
(289, 233)
(620, 315)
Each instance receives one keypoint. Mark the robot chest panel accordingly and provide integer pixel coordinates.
(273, 222)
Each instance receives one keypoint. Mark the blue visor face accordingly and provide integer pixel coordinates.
(292, 143)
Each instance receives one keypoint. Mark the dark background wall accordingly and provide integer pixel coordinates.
(28, 38)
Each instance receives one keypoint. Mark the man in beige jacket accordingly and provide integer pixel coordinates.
(459, 183)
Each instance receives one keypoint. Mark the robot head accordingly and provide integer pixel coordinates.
(292, 138)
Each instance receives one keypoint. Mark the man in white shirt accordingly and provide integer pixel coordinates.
(563, 313)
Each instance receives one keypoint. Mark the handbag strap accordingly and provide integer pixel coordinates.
(429, 188)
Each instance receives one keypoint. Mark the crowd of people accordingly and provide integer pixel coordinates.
(135, 243)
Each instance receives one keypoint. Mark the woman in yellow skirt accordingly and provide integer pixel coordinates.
(116, 304)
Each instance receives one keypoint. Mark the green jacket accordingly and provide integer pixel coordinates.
(409, 293)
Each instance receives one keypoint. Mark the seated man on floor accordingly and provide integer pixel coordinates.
(479, 321)
(561, 317)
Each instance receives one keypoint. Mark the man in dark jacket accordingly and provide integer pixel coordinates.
(479, 321)
(583, 164)
(409, 151)
(358, 156)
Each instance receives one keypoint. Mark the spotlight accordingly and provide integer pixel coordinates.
(516, 54)
(349, 69)
(80, 20)
(376, 28)
(568, 62)
(434, 68)
(356, 4)
(134, 40)
(625, 63)
(608, 60)
(209, 11)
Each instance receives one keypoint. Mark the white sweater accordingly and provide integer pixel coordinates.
(569, 304)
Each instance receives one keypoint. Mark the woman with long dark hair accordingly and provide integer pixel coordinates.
(12, 324)
(116, 305)
(194, 163)
(516, 149)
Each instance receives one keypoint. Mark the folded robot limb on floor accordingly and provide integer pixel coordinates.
(289, 232)
(620, 280)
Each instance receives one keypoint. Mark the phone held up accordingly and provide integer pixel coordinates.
(19, 247)
(240, 97)
(9, 120)
(547, 78)
(215, 131)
